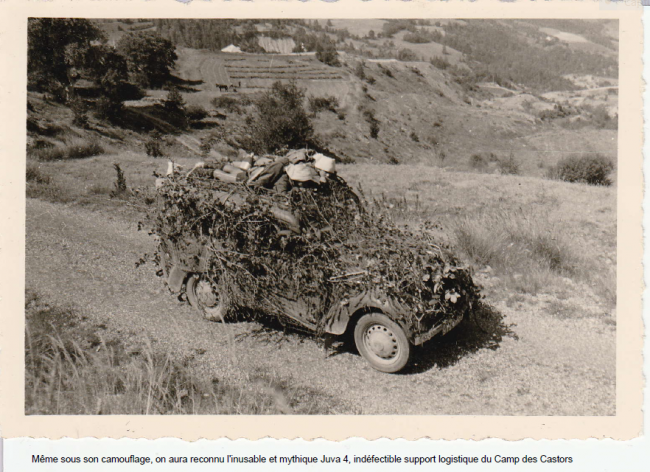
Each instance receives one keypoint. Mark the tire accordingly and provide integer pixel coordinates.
(204, 299)
(382, 342)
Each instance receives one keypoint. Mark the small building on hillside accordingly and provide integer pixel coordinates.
(232, 49)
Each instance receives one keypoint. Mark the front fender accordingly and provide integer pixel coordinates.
(339, 315)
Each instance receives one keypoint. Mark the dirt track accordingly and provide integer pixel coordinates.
(557, 367)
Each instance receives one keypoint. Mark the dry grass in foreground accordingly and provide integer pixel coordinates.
(71, 369)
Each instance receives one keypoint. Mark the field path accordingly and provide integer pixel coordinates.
(87, 260)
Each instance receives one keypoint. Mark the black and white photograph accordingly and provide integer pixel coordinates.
(321, 217)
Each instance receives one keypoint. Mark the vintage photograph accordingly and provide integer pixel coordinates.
(321, 217)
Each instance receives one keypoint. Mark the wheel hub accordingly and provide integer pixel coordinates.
(382, 342)
(205, 294)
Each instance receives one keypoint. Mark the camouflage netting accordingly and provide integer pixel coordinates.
(342, 249)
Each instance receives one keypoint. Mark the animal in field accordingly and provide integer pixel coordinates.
(222, 87)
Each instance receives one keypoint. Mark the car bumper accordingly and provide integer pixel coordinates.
(442, 328)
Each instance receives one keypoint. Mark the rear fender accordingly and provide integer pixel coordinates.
(339, 316)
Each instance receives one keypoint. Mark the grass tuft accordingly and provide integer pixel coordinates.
(527, 249)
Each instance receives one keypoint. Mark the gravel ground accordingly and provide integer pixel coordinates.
(553, 366)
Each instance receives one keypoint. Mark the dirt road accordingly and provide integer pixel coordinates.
(556, 366)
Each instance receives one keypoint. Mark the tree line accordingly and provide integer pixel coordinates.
(64, 52)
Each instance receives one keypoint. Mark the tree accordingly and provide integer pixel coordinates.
(149, 58)
(371, 34)
(326, 53)
(175, 108)
(281, 120)
(53, 45)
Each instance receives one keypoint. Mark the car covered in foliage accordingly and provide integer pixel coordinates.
(318, 258)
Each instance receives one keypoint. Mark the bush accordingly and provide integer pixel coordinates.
(359, 71)
(387, 72)
(57, 92)
(175, 108)
(50, 153)
(414, 137)
(229, 104)
(196, 112)
(327, 55)
(317, 104)
(440, 62)
(369, 116)
(80, 112)
(407, 55)
(34, 174)
(417, 38)
(482, 159)
(281, 120)
(109, 109)
(153, 145)
(81, 148)
(592, 169)
(476, 161)
(509, 165)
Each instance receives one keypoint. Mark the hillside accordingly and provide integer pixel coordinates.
(448, 99)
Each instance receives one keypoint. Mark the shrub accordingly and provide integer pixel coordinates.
(34, 174)
(317, 104)
(414, 137)
(81, 148)
(57, 92)
(476, 161)
(50, 153)
(601, 119)
(281, 120)
(175, 108)
(120, 187)
(387, 72)
(369, 116)
(109, 109)
(327, 54)
(417, 38)
(153, 145)
(229, 104)
(509, 165)
(407, 55)
(80, 112)
(592, 169)
(196, 112)
(359, 71)
(481, 160)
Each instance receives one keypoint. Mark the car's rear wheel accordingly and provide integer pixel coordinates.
(382, 342)
(204, 298)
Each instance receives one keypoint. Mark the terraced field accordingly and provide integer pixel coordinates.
(262, 71)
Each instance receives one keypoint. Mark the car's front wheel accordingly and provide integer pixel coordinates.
(382, 342)
(204, 298)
